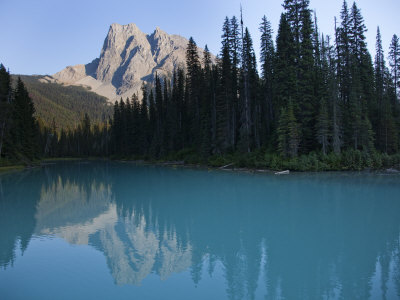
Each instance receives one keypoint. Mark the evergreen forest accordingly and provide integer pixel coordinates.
(62, 105)
(315, 102)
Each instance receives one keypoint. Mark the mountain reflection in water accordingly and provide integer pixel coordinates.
(306, 236)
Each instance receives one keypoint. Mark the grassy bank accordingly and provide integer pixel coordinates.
(11, 168)
(9, 165)
(351, 160)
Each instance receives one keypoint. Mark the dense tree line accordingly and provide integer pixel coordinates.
(19, 134)
(316, 95)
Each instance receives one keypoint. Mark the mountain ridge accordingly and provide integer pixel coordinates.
(128, 58)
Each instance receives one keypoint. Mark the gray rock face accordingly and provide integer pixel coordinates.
(129, 57)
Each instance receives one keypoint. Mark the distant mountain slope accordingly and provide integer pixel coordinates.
(129, 57)
(65, 104)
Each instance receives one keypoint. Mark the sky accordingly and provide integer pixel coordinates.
(45, 36)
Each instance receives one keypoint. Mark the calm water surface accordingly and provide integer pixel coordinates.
(102, 230)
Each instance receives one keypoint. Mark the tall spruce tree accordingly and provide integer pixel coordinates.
(306, 95)
(172, 117)
(153, 127)
(157, 141)
(5, 106)
(235, 46)
(229, 70)
(207, 105)
(342, 35)
(362, 80)
(394, 61)
(193, 87)
(181, 109)
(294, 10)
(144, 122)
(285, 79)
(225, 95)
(249, 106)
(24, 131)
(116, 129)
(380, 91)
(267, 57)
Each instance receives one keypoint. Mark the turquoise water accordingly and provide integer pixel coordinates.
(102, 230)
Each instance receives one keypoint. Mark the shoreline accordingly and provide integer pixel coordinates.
(182, 164)
(231, 168)
(11, 168)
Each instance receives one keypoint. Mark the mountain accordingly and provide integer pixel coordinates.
(129, 57)
(66, 105)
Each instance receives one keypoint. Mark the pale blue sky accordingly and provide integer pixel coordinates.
(44, 36)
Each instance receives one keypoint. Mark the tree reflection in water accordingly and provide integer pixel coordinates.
(306, 236)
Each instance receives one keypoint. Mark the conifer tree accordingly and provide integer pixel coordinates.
(152, 125)
(158, 119)
(342, 35)
(235, 48)
(227, 98)
(390, 112)
(24, 130)
(357, 33)
(5, 106)
(166, 145)
(116, 130)
(285, 69)
(206, 107)
(362, 78)
(129, 121)
(306, 95)
(135, 136)
(123, 125)
(224, 99)
(394, 60)
(267, 58)
(144, 122)
(379, 90)
(249, 119)
(179, 94)
(193, 90)
(226, 35)
(294, 10)
(245, 108)
(234, 43)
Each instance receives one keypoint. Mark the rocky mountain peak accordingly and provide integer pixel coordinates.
(128, 58)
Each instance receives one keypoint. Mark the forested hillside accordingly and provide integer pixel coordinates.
(66, 105)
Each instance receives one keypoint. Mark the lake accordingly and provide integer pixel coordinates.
(109, 230)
